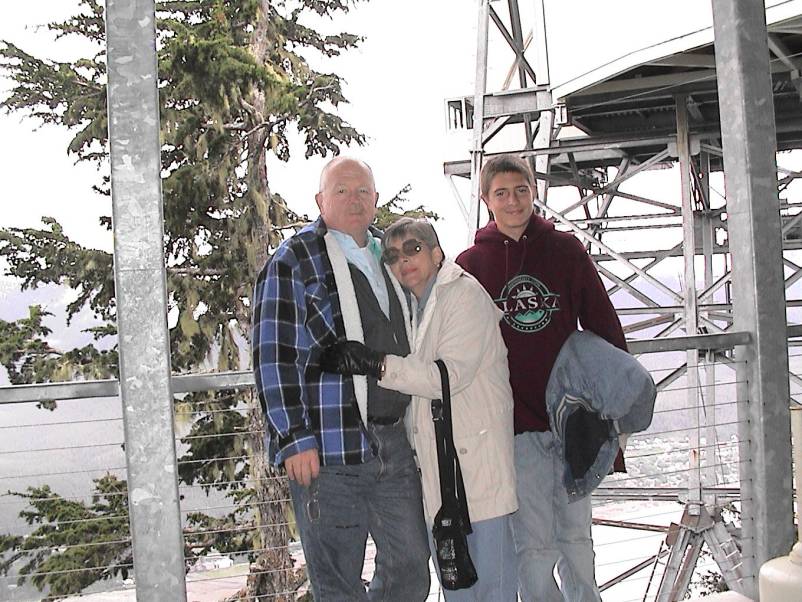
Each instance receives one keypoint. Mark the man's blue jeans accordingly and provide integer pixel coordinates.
(345, 503)
(548, 530)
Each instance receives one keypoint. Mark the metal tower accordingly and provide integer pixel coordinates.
(695, 263)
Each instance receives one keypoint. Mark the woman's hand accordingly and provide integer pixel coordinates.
(352, 357)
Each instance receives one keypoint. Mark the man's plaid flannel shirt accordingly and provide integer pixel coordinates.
(297, 313)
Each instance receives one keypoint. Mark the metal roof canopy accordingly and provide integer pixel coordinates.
(627, 107)
(639, 100)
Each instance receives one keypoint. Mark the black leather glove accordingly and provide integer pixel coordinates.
(351, 357)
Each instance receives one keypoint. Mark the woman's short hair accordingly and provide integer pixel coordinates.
(410, 226)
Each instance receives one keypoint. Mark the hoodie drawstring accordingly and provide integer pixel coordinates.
(524, 240)
(506, 260)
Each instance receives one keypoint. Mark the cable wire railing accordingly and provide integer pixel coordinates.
(689, 454)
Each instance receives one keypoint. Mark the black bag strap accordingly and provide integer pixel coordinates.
(452, 487)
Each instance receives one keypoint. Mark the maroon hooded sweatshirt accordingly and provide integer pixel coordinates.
(545, 283)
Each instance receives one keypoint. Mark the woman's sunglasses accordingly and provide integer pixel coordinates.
(409, 248)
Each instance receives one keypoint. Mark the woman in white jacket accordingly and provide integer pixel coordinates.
(454, 320)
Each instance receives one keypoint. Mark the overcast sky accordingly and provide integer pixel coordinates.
(417, 53)
(397, 82)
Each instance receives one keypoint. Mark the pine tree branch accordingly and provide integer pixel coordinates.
(195, 272)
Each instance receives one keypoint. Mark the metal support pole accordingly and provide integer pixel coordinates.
(543, 139)
(690, 304)
(480, 87)
(545, 131)
(142, 301)
(708, 401)
(749, 143)
(518, 37)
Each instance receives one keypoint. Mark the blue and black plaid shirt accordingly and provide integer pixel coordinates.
(297, 313)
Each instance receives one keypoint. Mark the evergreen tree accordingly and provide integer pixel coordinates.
(234, 82)
(67, 526)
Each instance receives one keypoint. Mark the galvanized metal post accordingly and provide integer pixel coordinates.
(518, 37)
(748, 136)
(545, 132)
(480, 87)
(690, 304)
(708, 391)
(708, 401)
(142, 301)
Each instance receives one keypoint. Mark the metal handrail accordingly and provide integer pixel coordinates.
(217, 381)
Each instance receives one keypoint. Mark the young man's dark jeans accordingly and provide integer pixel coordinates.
(345, 503)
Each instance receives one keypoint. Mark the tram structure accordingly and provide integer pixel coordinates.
(597, 133)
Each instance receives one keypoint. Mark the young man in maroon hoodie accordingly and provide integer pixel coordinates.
(546, 284)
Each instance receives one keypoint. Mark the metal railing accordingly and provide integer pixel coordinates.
(688, 458)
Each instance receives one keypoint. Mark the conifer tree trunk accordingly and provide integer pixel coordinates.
(272, 572)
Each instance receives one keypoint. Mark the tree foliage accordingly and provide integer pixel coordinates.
(74, 543)
(235, 84)
(28, 357)
(238, 79)
(393, 209)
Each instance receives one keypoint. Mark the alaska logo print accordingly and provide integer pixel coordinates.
(527, 303)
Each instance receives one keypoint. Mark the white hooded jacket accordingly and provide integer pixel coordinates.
(460, 325)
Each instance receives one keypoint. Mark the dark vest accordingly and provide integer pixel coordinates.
(381, 334)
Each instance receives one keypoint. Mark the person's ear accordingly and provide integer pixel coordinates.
(439, 256)
(376, 200)
(487, 206)
(319, 201)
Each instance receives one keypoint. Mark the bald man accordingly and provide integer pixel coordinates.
(341, 439)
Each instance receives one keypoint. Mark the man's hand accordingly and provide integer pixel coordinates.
(351, 357)
(303, 467)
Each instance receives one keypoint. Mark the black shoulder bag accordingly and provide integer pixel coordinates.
(451, 523)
